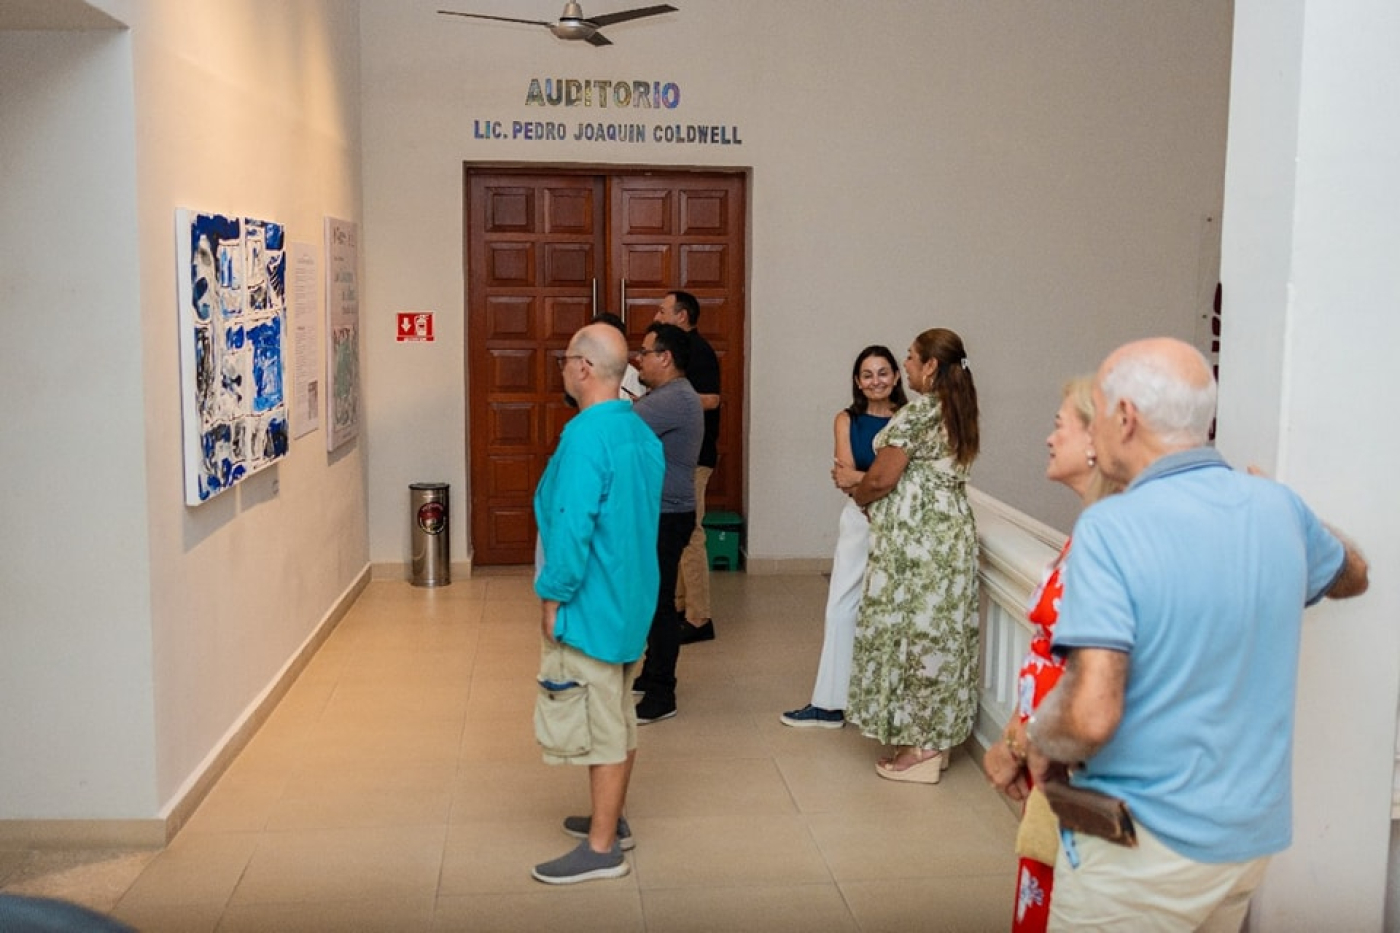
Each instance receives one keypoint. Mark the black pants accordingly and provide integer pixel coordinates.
(664, 640)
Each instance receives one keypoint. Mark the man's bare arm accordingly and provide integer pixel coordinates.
(1355, 577)
(1081, 714)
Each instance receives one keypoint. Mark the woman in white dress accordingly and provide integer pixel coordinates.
(876, 394)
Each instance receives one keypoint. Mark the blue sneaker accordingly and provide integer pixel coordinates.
(814, 717)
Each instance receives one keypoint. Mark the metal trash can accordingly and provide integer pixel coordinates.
(431, 562)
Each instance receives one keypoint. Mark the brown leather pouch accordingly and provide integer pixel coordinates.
(1091, 812)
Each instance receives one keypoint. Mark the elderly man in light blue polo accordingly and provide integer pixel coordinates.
(1180, 621)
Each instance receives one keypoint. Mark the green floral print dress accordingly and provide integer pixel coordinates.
(914, 672)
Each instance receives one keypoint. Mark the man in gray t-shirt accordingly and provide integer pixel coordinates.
(672, 409)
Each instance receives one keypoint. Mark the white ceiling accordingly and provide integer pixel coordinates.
(52, 14)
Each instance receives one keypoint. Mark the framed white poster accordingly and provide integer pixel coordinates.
(306, 338)
(342, 332)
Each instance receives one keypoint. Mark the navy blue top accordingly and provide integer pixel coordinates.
(863, 431)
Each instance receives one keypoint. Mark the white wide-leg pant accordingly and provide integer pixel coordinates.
(842, 606)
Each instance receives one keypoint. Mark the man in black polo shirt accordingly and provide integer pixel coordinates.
(693, 587)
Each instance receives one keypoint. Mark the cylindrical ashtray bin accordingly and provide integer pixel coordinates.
(431, 557)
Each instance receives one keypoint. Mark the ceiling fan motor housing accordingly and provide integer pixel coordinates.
(571, 23)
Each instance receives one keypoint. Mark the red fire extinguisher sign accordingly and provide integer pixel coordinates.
(415, 326)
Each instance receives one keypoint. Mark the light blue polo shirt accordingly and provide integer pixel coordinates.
(598, 507)
(1200, 573)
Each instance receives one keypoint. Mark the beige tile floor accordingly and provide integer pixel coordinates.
(397, 787)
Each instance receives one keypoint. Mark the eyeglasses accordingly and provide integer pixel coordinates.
(564, 360)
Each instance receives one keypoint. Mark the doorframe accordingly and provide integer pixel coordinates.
(746, 172)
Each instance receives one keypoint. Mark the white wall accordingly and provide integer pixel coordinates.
(1035, 176)
(1312, 226)
(139, 632)
(249, 108)
(76, 713)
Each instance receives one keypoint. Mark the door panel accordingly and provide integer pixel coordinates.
(704, 267)
(648, 266)
(533, 250)
(544, 252)
(686, 231)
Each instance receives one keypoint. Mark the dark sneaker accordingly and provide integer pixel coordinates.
(690, 634)
(582, 864)
(639, 687)
(653, 709)
(814, 717)
(578, 827)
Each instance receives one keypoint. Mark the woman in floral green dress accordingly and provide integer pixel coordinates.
(914, 675)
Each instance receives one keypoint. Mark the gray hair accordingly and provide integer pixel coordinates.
(1179, 409)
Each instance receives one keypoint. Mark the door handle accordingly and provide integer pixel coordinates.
(593, 299)
(622, 303)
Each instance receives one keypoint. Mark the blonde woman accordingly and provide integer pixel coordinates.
(1073, 464)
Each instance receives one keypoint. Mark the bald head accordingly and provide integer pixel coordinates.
(1170, 386)
(605, 350)
(1168, 354)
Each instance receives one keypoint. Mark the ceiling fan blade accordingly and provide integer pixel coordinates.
(607, 19)
(598, 39)
(499, 19)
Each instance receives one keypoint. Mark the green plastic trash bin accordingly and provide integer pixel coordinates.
(722, 533)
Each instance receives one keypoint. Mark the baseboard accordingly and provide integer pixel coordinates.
(83, 834)
(188, 799)
(398, 570)
(155, 833)
(776, 566)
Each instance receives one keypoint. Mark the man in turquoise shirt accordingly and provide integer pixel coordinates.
(1180, 621)
(597, 507)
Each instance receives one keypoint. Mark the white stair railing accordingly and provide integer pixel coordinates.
(1016, 550)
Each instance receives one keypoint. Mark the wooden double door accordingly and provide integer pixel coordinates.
(545, 252)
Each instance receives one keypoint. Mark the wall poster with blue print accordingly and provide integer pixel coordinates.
(233, 322)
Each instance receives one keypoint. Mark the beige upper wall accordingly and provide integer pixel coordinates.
(1046, 179)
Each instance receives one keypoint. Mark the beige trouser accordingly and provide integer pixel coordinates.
(1149, 888)
(693, 583)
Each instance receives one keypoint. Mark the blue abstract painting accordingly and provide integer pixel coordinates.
(233, 317)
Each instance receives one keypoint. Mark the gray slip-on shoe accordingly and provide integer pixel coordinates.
(578, 827)
(582, 864)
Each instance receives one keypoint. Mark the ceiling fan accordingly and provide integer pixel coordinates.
(572, 23)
